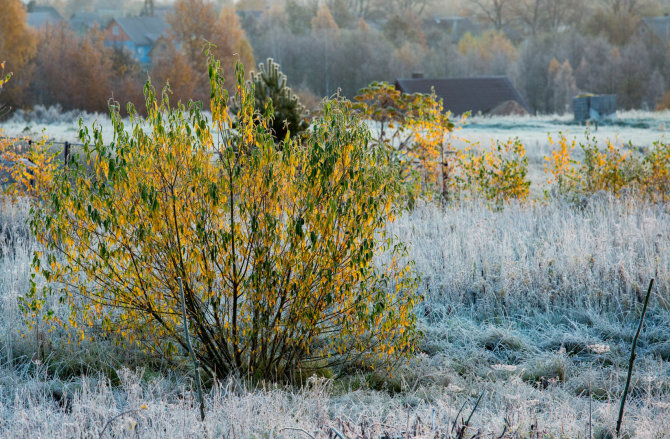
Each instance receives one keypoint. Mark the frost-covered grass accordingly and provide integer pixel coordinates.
(642, 128)
(534, 305)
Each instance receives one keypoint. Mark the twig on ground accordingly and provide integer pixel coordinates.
(461, 433)
(457, 415)
(109, 422)
(337, 433)
(632, 360)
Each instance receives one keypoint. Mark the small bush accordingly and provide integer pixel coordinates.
(413, 127)
(26, 169)
(655, 180)
(497, 175)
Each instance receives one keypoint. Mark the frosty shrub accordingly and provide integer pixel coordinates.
(415, 129)
(24, 169)
(275, 248)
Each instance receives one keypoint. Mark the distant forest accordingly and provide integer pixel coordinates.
(551, 50)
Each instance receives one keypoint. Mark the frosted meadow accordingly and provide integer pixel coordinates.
(534, 306)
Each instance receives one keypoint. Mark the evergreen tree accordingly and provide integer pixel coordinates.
(270, 89)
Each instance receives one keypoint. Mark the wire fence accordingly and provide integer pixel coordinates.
(67, 150)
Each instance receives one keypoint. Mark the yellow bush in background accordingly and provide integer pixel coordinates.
(497, 175)
(609, 169)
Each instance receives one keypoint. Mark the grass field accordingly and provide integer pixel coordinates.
(535, 306)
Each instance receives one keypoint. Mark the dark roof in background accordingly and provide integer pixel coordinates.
(460, 95)
(32, 7)
(143, 31)
(660, 26)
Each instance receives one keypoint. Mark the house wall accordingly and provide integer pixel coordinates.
(115, 34)
(120, 39)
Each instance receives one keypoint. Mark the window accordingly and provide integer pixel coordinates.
(115, 30)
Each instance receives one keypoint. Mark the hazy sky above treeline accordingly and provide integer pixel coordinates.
(432, 7)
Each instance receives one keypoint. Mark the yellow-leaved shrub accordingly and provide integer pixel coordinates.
(276, 248)
(26, 168)
(609, 169)
(414, 129)
(498, 174)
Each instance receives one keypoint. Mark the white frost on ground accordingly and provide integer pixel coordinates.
(534, 304)
(519, 303)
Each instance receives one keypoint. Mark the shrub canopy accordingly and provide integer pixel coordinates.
(276, 248)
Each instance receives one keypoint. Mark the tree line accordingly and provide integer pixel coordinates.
(55, 66)
(550, 49)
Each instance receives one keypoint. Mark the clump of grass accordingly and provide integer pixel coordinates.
(495, 339)
(546, 371)
(661, 350)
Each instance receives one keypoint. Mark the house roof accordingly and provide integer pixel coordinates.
(481, 94)
(659, 26)
(41, 15)
(32, 7)
(82, 21)
(143, 31)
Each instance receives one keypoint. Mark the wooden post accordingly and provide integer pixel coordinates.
(66, 154)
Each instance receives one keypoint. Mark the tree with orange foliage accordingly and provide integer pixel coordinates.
(173, 68)
(231, 42)
(195, 24)
(17, 46)
(73, 72)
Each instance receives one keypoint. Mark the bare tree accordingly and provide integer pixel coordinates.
(531, 13)
(539, 16)
(495, 12)
(360, 8)
(565, 12)
(414, 6)
(629, 6)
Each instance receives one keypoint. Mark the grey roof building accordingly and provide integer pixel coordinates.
(143, 31)
(460, 95)
(40, 16)
(138, 35)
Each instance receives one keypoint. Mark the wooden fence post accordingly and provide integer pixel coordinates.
(66, 154)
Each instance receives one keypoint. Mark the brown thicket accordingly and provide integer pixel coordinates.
(72, 71)
(196, 24)
(17, 46)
